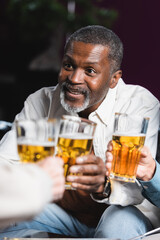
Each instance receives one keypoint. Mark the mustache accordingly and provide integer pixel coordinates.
(74, 88)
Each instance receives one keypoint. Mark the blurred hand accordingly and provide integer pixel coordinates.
(53, 166)
(92, 174)
(146, 167)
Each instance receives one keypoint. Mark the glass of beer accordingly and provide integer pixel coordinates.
(75, 139)
(128, 139)
(36, 139)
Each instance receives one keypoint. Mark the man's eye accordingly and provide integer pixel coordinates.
(68, 66)
(90, 71)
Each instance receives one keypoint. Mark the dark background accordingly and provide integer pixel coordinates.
(139, 28)
(137, 24)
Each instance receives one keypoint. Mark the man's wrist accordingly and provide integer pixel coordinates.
(105, 193)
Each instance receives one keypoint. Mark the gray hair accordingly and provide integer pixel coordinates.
(96, 34)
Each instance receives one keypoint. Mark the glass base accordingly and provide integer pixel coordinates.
(122, 178)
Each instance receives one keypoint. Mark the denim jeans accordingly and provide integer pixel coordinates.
(116, 223)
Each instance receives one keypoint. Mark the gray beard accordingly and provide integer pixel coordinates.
(72, 109)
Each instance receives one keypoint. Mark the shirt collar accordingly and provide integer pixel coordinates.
(105, 110)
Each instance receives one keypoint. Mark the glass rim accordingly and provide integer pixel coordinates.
(126, 114)
(36, 120)
(78, 119)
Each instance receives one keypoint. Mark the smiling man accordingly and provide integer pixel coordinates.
(85, 77)
(90, 86)
(87, 73)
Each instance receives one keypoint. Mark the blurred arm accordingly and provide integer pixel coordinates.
(151, 188)
(26, 188)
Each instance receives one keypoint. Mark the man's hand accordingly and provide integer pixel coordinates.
(146, 166)
(53, 166)
(91, 170)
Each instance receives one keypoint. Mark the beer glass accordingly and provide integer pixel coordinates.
(36, 139)
(75, 139)
(128, 139)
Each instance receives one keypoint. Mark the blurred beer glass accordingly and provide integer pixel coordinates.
(36, 139)
(75, 139)
(128, 139)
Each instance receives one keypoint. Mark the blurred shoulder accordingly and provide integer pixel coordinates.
(129, 92)
(45, 92)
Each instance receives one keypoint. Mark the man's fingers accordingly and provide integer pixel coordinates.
(88, 159)
(109, 157)
(91, 169)
(110, 146)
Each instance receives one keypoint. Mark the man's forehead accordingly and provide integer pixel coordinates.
(73, 44)
(86, 49)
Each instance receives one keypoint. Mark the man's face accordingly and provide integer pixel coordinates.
(84, 77)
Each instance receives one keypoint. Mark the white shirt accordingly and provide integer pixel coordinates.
(124, 98)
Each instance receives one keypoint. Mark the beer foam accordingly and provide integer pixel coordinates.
(75, 136)
(129, 134)
(36, 143)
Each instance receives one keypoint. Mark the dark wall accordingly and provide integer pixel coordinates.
(138, 27)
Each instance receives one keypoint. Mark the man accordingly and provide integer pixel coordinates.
(26, 188)
(90, 86)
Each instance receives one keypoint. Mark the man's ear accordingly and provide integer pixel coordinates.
(115, 78)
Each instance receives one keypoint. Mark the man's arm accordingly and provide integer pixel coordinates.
(151, 187)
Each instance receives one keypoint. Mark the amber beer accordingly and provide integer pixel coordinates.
(126, 153)
(69, 147)
(35, 151)
(36, 139)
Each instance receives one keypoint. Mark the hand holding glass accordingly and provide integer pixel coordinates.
(128, 138)
(75, 139)
(36, 139)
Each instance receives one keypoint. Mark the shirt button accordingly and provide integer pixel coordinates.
(145, 187)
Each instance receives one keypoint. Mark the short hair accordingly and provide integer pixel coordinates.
(96, 34)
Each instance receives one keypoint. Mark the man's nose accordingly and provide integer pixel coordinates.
(76, 76)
